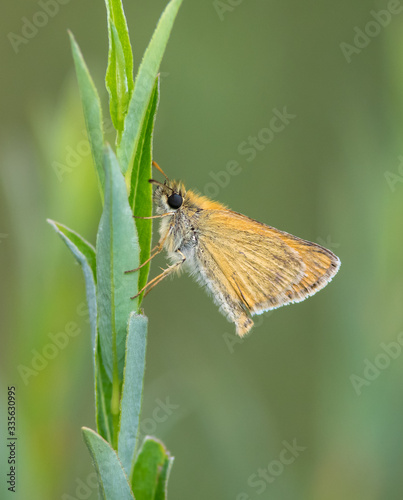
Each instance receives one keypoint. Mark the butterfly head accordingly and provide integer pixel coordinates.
(169, 196)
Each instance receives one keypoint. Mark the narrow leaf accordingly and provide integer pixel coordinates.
(116, 82)
(113, 483)
(84, 253)
(140, 198)
(144, 84)
(151, 471)
(103, 398)
(132, 389)
(117, 252)
(119, 74)
(92, 112)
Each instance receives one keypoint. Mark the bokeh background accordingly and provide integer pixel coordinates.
(316, 374)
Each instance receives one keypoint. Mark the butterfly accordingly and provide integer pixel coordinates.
(247, 267)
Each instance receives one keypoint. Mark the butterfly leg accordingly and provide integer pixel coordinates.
(152, 216)
(166, 272)
(157, 249)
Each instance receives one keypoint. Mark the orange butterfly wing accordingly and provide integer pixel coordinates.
(263, 267)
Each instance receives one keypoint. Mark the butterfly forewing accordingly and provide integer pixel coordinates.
(266, 268)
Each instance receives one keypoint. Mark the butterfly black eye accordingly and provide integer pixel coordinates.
(175, 200)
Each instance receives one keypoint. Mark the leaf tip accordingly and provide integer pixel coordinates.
(71, 36)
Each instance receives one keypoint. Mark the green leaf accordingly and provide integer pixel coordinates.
(143, 86)
(92, 112)
(119, 74)
(140, 198)
(103, 399)
(84, 253)
(132, 389)
(113, 483)
(151, 471)
(117, 252)
(162, 486)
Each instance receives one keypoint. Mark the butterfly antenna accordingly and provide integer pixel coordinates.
(158, 183)
(160, 169)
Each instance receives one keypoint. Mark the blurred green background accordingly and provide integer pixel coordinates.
(316, 374)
